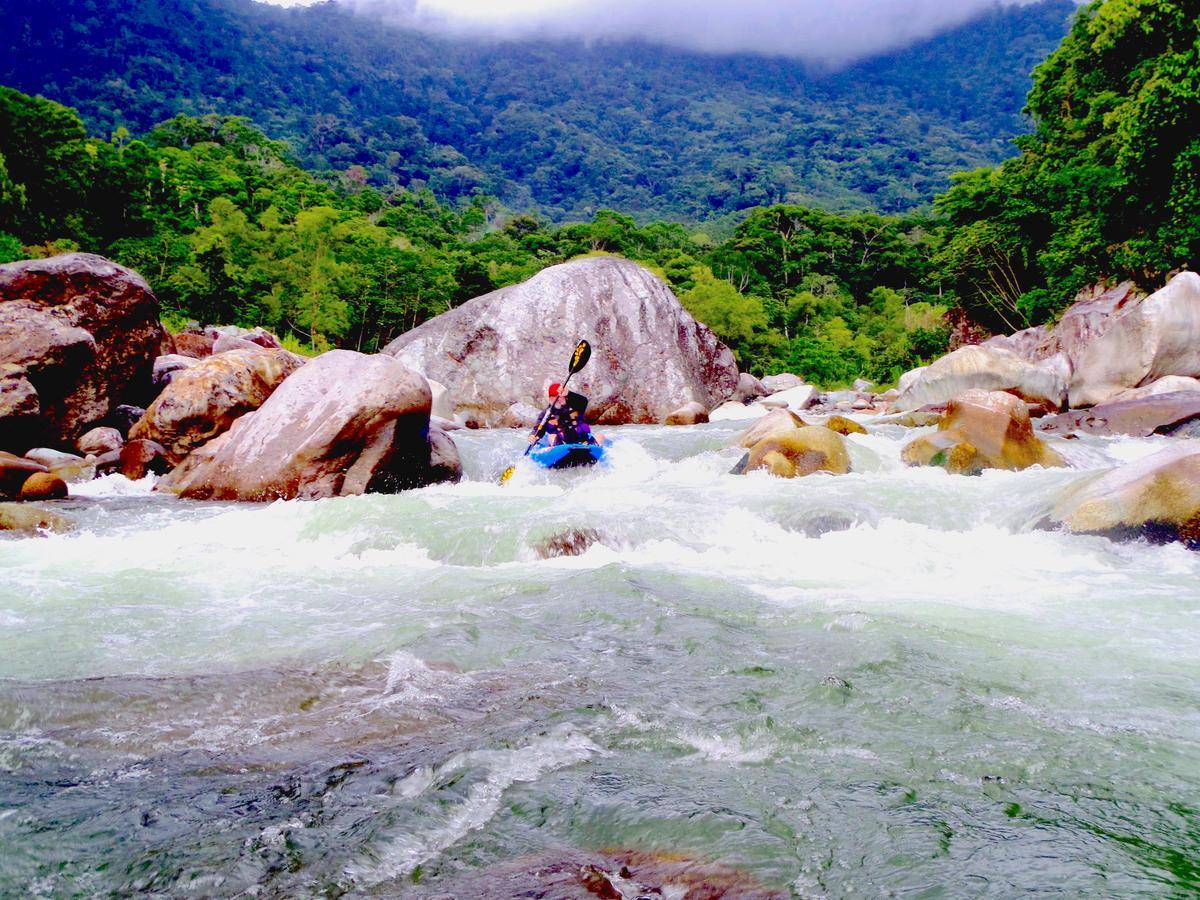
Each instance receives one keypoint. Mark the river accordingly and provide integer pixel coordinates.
(890, 683)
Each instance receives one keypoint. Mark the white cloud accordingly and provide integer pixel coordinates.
(815, 30)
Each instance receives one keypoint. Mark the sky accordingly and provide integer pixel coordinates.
(822, 31)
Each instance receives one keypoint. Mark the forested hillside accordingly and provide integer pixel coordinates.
(562, 129)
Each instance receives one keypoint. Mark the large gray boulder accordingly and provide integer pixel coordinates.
(78, 335)
(1159, 336)
(345, 423)
(649, 356)
(984, 369)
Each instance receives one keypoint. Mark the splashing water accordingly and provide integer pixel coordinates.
(885, 682)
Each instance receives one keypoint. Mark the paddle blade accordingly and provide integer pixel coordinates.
(508, 473)
(583, 352)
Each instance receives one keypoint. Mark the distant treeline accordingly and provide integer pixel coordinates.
(560, 129)
(228, 228)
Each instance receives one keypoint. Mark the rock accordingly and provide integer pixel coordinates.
(798, 398)
(442, 406)
(647, 351)
(1151, 414)
(862, 403)
(520, 415)
(748, 388)
(445, 464)
(263, 338)
(1088, 318)
(125, 416)
(100, 440)
(194, 345)
(70, 468)
(979, 368)
(889, 395)
(689, 414)
(1159, 336)
(43, 486)
(227, 342)
(444, 424)
(78, 335)
(201, 402)
(1168, 384)
(908, 379)
(107, 463)
(982, 430)
(32, 520)
(141, 457)
(1157, 497)
(345, 423)
(801, 451)
(862, 385)
(781, 382)
(774, 424)
(844, 426)
(733, 411)
(14, 471)
(572, 542)
(165, 368)
(1031, 344)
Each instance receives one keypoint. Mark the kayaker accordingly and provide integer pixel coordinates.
(564, 423)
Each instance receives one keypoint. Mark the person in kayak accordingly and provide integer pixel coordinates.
(564, 423)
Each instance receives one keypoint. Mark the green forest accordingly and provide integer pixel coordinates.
(559, 129)
(228, 228)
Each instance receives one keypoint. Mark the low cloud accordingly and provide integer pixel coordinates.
(819, 31)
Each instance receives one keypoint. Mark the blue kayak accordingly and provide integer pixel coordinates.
(565, 456)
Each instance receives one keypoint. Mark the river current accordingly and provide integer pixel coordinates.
(891, 683)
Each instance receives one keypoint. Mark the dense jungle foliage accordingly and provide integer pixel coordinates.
(558, 129)
(228, 228)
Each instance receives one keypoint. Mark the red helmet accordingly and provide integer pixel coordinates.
(554, 388)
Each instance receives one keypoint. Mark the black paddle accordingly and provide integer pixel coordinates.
(579, 358)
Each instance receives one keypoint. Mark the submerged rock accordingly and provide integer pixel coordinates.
(800, 451)
(572, 542)
(345, 423)
(982, 430)
(648, 354)
(31, 519)
(1157, 497)
(78, 335)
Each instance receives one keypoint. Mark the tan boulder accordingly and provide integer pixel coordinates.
(43, 486)
(985, 369)
(520, 415)
(800, 451)
(14, 471)
(204, 400)
(982, 430)
(67, 466)
(844, 426)
(30, 519)
(345, 423)
(776, 422)
(1158, 496)
(689, 414)
(1157, 337)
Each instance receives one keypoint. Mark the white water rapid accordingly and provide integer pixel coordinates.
(887, 683)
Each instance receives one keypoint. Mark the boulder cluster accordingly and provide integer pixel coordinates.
(91, 383)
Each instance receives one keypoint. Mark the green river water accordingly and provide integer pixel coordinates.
(885, 684)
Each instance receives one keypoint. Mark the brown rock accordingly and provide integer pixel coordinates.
(801, 451)
(100, 440)
(647, 351)
(204, 400)
(197, 346)
(572, 542)
(82, 331)
(689, 414)
(748, 388)
(345, 423)
(140, 457)
(43, 486)
(14, 471)
(844, 426)
(982, 430)
(227, 342)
